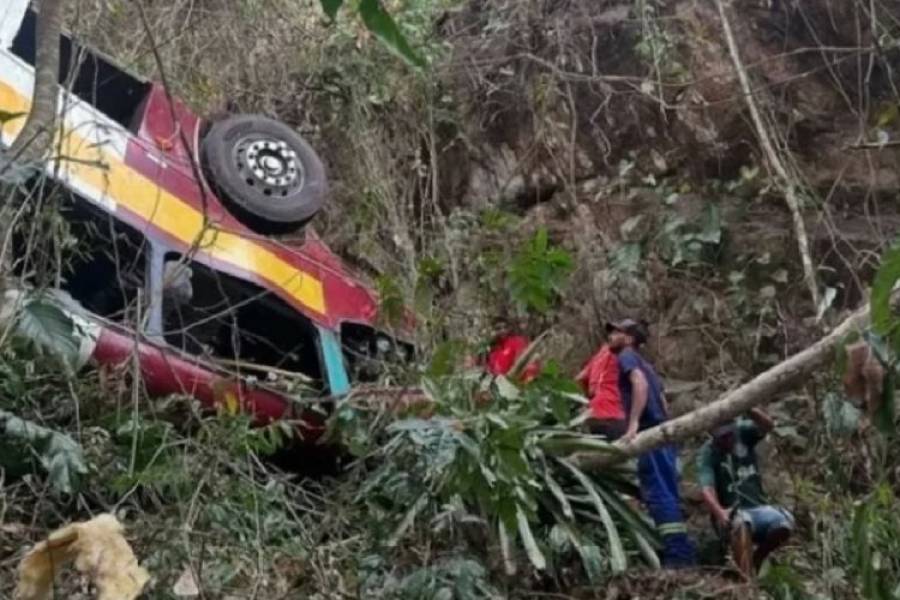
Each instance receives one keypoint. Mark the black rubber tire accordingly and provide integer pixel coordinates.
(263, 207)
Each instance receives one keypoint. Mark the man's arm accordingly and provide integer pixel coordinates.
(707, 479)
(719, 512)
(638, 401)
(864, 378)
(763, 422)
(583, 378)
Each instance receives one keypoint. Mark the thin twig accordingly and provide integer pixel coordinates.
(874, 145)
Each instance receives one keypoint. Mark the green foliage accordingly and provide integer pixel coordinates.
(492, 454)
(782, 582)
(682, 242)
(43, 323)
(883, 320)
(331, 7)
(538, 273)
(841, 417)
(445, 358)
(656, 45)
(679, 240)
(390, 296)
(382, 25)
(884, 339)
(872, 538)
(57, 453)
(149, 453)
(453, 579)
(874, 545)
(626, 258)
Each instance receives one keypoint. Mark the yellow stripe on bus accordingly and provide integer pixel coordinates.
(88, 162)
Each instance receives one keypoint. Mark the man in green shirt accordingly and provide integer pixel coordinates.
(732, 491)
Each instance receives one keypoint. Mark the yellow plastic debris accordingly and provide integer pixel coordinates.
(98, 550)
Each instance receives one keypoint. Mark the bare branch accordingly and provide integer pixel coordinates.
(785, 181)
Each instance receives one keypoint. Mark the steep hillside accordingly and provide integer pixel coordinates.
(619, 127)
(615, 124)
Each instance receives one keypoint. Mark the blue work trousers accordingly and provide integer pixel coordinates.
(658, 477)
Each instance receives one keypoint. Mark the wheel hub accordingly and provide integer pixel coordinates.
(268, 164)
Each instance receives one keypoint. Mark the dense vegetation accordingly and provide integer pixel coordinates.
(559, 163)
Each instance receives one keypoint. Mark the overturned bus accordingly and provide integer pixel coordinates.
(177, 263)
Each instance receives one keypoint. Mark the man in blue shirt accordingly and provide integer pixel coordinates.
(645, 406)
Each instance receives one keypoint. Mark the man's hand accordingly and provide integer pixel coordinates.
(719, 513)
(764, 422)
(722, 517)
(630, 433)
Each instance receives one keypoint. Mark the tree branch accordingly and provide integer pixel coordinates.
(37, 133)
(784, 180)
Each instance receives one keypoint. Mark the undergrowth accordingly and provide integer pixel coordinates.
(450, 505)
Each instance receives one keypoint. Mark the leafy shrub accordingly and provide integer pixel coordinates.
(537, 274)
(490, 465)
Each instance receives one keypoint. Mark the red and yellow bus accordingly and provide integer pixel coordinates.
(180, 257)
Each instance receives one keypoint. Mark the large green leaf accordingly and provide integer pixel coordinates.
(880, 347)
(445, 358)
(712, 226)
(646, 549)
(589, 553)
(644, 534)
(558, 493)
(537, 274)
(883, 321)
(60, 456)
(379, 22)
(627, 257)
(331, 7)
(841, 417)
(866, 557)
(635, 521)
(46, 325)
(509, 561)
(408, 519)
(531, 548)
(617, 558)
(564, 445)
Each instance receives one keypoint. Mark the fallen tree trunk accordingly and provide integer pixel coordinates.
(758, 391)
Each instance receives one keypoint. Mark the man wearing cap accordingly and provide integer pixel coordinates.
(645, 406)
(732, 491)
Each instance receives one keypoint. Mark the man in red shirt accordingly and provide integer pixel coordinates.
(600, 380)
(504, 353)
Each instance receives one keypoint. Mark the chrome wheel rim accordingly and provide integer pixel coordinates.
(268, 165)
